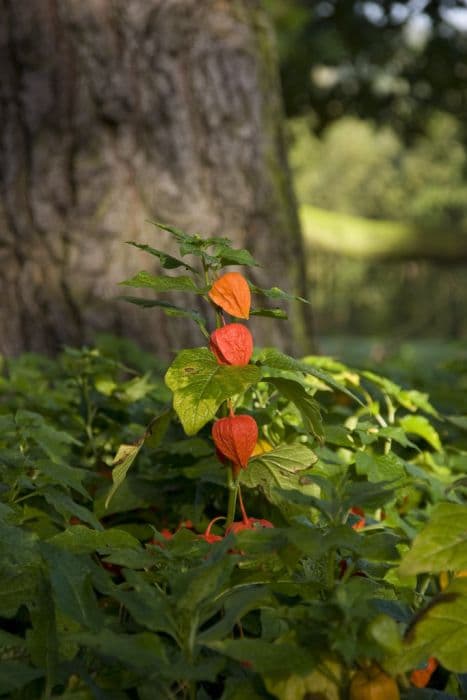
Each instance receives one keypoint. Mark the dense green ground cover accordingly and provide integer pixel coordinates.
(102, 602)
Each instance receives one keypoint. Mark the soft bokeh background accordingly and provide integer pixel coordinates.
(376, 98)
(183, 111)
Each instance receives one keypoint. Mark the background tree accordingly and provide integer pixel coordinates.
(395, 62)
(116, 111)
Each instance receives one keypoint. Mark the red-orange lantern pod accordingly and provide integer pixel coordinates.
(235, 439)
(232, 293)
(232, 344)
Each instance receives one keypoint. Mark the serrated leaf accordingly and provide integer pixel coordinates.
(200, 385)
(162, 283)
(419, 425)
(168, 262)
(306, 404)
(440, 630)
(442, 544)
(270, 357)
(279, 468)
(388, 467)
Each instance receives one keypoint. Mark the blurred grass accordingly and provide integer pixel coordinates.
(368, 239)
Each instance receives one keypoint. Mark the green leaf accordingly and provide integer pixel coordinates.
(70, 576)
(276, 293)
(167, 261)
(236, 604)
(200, 385)
(67, 507)
(123, 460)
(306, 404)
(147, 604)
(270, 313)
(202, 584)
(388, 467)
(168, 309)
(280, 467)
(411, 400)
(82, 540)
(270, 357)
(193, 244)
(440, 630)
(143, 650)
(42, 639)
(127, 454)
(442, 544)
(419, 425)
(162, 284)
(264, 656)
(233, 256)
(14, 675)
(55, 443)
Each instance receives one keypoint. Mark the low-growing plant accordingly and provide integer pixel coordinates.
(252, 526)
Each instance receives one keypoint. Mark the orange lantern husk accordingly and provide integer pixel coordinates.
(232, 344)
(232, 293)
(235, 438)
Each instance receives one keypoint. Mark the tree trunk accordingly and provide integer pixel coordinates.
(116, 111)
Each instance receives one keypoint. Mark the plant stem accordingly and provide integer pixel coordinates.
(242, 507)
(331, 563)
(233, 490)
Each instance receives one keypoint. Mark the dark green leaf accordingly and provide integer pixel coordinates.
(162, 284)
(167, 261)
(306, 404)
(270, 313)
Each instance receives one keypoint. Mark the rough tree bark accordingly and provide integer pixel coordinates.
(115, 111)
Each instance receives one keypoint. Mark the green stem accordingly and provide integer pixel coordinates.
(331, 565)
(233, 491)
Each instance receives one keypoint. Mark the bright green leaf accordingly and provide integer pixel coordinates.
(442, 544)
(200, 385)
(441, 630)
(419, 425)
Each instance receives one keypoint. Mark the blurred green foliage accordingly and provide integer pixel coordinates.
(358, 168)
(395, 62)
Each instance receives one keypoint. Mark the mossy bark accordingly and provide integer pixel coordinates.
(117, 111)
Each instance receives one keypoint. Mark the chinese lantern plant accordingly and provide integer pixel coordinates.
(208, 382)
(343, 510)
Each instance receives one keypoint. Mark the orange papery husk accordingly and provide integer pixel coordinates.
(232, 344)
(235, 438)
(249, 524)
(422, 676)
(232, 293)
